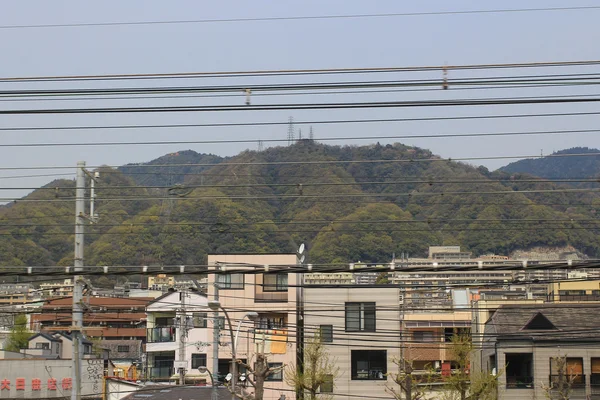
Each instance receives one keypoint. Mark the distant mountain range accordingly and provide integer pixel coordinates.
(347, 203)
(560, 165)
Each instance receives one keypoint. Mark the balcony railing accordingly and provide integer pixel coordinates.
(576, 381)
(161, 334)
(519, 382)
(160, 372)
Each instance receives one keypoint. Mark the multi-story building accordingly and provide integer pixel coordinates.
(107, 318)
(264, 286)
(360, 329)
(177, 321)
(329, 278)
(57, 289)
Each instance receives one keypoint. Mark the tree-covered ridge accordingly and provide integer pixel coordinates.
(586, 164)
(342, 201)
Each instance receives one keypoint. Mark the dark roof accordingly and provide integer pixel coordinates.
(45, 336)
(161, 297)
(168, 392)
(68, 337)
(566, 321)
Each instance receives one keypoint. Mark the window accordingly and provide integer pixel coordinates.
(276, 375)
(519, 370)
(360, 317)
(327, 385)
(123, 349)
(273, 321)
(198, 360)
(200, 320)
(369, 364)
(423, 336)
(275, 282)
(45, 346)
(231, 281)
(449, 333)
(326, 332)
(572, 370)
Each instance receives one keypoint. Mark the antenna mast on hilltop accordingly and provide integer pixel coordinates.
(311, 135)
(290, 134)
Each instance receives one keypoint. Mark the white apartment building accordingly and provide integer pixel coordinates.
(171, 319)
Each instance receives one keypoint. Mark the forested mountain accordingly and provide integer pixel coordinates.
(347, 203)
(586, 164)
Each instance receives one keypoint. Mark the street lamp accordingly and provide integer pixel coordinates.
(215, 305)
(204, 370)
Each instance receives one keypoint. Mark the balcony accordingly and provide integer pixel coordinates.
(519, 382)
(161, 334)
(160, 373)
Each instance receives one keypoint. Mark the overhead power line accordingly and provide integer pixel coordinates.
(302, 17)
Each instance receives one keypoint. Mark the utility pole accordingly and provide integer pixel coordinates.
(216, 333)
(182, 336)
(78, 280)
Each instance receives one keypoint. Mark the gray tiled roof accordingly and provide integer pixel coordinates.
(571, 321)
(168, 392)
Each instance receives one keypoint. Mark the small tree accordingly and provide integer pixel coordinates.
(19, 334)
(412, 386)
(319, 369)
(461, 383)
(561, 387)
(256, 375)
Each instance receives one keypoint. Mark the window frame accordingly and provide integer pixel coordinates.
(280, 284)
(42, 345)
(200, 316)
(361, 321)
(425, 336)
(195, 359)
(367, 356)
(231, 281)
(326, 334)
(277, 376)
(120, 348)
(327, 385)
(522, 385)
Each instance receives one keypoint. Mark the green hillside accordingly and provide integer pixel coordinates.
(345, 202)
(586, 164)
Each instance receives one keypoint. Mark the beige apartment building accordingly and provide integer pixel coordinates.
(265, 287)
(360, 328)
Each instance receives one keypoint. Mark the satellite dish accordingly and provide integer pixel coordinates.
(301, 248)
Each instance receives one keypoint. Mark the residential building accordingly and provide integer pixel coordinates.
(57, 289)
(175, 318)
(57, 346)
(360, 329)
(108, 318)
(582, 290)
(261, 284)
(17, 293)
(329, 278)
(523, 341)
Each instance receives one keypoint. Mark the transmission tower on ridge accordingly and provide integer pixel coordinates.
(290, 136)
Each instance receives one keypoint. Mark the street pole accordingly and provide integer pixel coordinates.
(216, 333)
(77, 284)
(182, 336)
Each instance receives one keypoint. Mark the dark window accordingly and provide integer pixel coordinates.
(123, 349)
(423, 336)
(449, 333)
(519, 370)
(275, 282)
(360, 317)
(327, 385)
(200, 320)
(276, 375)
(273, 321)
(369, 364)
(326, 332)
(231, 281)
(42, 346)
(198, 360)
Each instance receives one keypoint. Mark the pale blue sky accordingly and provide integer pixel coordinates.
(368, 42)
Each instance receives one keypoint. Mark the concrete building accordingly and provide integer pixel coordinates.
(267, 288)
(173, 319)
(522, 341)
(108, 318)
(360, 328)
(329, 278)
